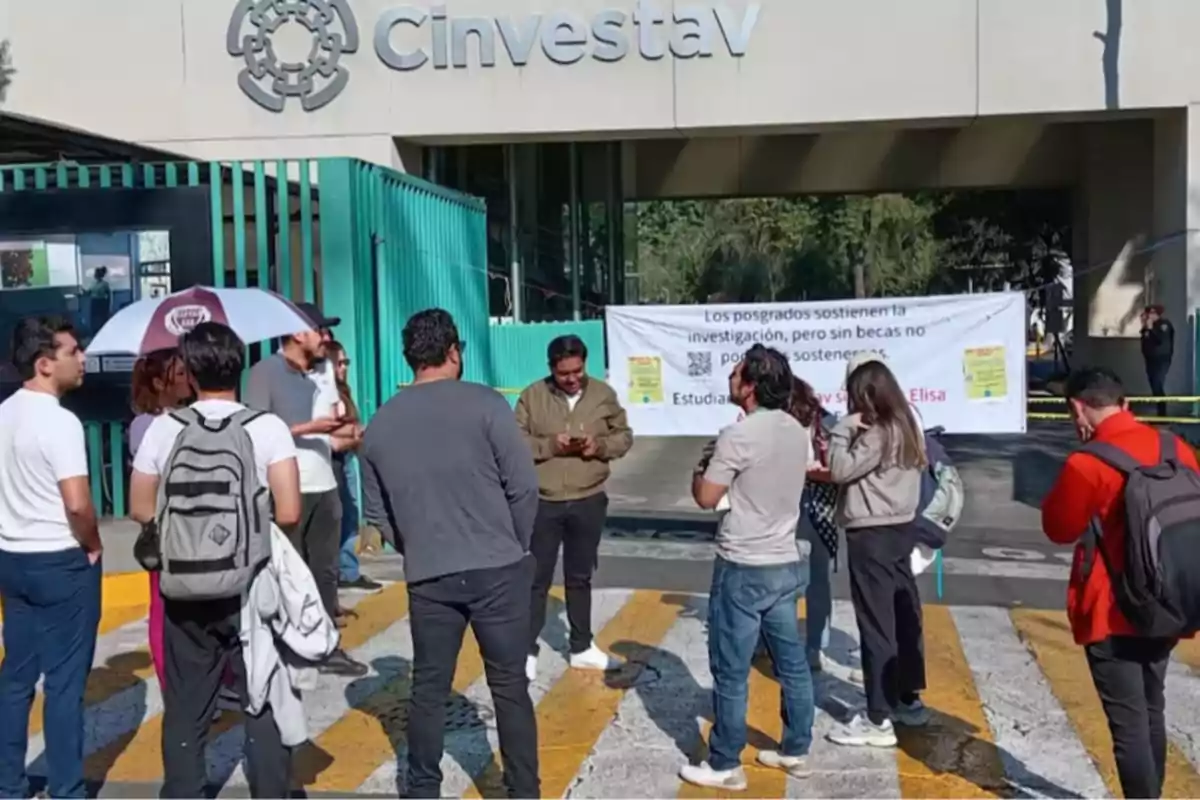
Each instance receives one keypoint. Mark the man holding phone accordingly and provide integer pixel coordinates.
(297, 385)
(576, 427)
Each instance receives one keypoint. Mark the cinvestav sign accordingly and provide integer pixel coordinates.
(565, 38)
(436, 37)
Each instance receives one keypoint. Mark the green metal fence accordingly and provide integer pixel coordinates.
(406, 245)
(370, 244)
(519, 351)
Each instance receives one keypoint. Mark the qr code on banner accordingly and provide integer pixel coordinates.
(700, 364)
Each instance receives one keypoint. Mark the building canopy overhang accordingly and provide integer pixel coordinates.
(27, 140)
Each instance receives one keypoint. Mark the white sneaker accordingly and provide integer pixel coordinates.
(594, 658)
(531, 668)
(913, 715)
(796, 766)
(861, 732)
(703, 775)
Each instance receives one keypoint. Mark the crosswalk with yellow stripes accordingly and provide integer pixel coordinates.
(1015, 711)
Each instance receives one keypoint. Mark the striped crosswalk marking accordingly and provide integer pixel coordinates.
(955, 755)
(1065, 666)
(581, 704)
(1015, 711)
(1032, 733)
(137, 758)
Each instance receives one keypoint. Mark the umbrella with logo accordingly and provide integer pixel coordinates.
(156, 323)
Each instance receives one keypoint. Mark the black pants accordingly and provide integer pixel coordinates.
(887, 607)
(575, 526)
(318, 539)
(495, 603)
(200, 639)
(1156, 373)
(1129, 673)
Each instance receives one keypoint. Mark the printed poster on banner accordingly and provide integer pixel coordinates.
(959, 358)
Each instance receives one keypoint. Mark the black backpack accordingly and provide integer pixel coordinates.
(1158, 588)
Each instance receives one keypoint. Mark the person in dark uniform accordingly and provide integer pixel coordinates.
(1158, 347)
(99, 299)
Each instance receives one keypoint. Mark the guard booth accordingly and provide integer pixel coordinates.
(370, 245)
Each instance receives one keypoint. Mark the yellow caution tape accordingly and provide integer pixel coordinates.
(1181, 399)
(1152, 420)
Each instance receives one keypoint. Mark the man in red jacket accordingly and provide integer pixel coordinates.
(1128, 669)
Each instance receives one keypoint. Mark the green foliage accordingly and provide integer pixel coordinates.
(889, 245)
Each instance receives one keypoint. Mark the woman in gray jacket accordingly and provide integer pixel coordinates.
(876, 455)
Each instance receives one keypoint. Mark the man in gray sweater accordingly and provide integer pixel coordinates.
(449, 481)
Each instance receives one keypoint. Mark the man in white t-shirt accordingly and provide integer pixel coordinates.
(298, 386)
(49, 559)
(201, 638)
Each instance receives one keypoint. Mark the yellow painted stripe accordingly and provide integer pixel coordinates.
(1048, 635)
(955, 755)
(762, 717)
(1188, 652)
(128, 589)
(581, 704)
(358, 742)
(137, 755)
(372, 733)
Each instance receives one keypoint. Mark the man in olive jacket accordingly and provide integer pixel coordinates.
(575, 426)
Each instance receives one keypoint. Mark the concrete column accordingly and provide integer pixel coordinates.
(1172, 278)
(1139, 191)
(1113, 216)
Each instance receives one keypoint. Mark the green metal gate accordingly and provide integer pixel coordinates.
(370, 244)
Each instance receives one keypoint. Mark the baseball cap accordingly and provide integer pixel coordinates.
(860, 358)
(314, 315)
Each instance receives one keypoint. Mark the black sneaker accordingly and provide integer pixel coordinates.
(361, 584)
(342, 665)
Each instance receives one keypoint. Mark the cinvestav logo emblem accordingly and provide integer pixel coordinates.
(182, 319)
(269, 80)
(651, 29)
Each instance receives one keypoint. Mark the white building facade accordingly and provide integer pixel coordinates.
(619, 100)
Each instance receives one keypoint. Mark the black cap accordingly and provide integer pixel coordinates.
(316, 317)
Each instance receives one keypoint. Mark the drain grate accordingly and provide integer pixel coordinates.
(464, 715)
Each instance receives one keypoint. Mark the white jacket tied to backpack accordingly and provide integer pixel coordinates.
(285, 632)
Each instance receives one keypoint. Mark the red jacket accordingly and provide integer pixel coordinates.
(1087, 488)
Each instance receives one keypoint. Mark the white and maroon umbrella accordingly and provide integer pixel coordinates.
(156, 323)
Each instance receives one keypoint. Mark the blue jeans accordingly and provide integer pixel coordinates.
(347, 489)
(818, 598)
(745, 602)
(51, 611)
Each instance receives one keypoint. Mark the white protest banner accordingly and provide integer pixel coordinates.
(960, 358)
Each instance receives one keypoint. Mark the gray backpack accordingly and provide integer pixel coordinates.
(1156, 582)
(214, 517)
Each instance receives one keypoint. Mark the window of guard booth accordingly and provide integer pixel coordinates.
(84, 278)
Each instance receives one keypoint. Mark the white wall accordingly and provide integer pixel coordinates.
(157, 71)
